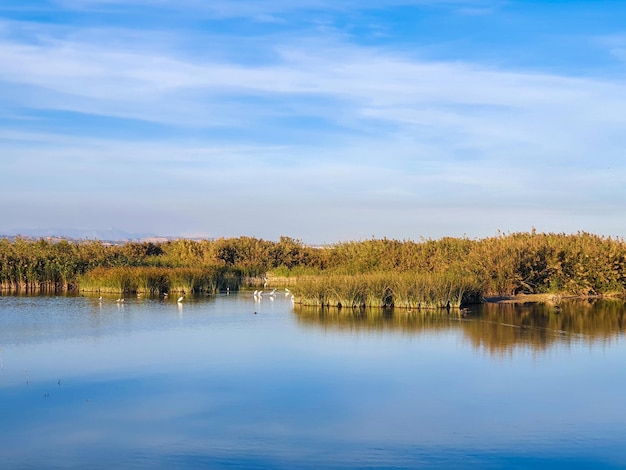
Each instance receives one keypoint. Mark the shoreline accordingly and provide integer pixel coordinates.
(553, 299)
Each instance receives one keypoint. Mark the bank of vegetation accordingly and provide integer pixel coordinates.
(447, 272)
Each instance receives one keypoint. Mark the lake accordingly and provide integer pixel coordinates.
(229, 382)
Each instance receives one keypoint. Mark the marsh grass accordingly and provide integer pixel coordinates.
(385, 290)
(154, 280)
(425, 274)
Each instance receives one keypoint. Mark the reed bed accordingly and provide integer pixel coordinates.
(154, 280)
(424, 274)
(35, 286)
(386, 290)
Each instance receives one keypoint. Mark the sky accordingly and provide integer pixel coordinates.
(321, 120)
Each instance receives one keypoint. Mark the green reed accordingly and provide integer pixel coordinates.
(402, 290)
(415, 274)
(141, 279)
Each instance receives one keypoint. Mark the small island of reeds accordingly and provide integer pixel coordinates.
(443, 273)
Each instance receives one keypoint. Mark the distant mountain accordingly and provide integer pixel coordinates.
(110, 234)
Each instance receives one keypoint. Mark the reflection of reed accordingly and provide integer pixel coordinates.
(496, 328)
(375, 319)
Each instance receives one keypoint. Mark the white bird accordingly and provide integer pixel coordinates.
(286, 292)
(180, 299)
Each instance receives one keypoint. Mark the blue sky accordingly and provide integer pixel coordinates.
(321, 120)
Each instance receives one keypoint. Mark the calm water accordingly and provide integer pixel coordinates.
(151, 384)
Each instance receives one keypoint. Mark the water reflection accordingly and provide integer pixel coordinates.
(86, 383)
(495, 328)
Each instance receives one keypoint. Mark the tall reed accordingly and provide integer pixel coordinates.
(403, 290)
(131, 279)
(579, 264)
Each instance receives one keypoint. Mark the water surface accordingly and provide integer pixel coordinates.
(210, 383)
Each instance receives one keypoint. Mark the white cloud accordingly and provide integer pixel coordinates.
(615, 44)
(387, 136)
(363, 83)
(260, 8)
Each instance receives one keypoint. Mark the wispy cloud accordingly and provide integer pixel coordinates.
(253, 8)
(337, 82)
(306, 118)
(615, 44)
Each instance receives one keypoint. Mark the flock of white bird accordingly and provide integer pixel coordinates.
(121, 299)
(258, 294)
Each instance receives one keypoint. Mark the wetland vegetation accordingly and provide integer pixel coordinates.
(448, 272)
